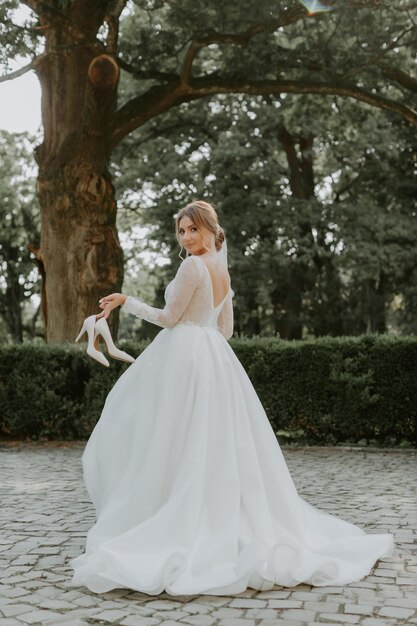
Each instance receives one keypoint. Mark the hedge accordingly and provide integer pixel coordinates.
(344, 390)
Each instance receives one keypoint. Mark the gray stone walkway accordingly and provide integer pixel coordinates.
(45, 514)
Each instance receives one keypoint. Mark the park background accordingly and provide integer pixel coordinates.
(298, 125)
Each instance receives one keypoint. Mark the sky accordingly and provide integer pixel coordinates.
(20, 104)
(20, 99)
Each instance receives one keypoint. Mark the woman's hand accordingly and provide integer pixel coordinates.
(108, 303)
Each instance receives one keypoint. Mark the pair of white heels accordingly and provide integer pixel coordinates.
(95, 327)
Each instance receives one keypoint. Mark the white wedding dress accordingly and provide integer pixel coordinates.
(191, 490)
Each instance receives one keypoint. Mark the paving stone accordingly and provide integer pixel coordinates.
(359, 609)
(10, 610)
(226, 612)
(111, 604)
(110, 615)
(406, 581)
(395, 611)
(410, 603)
(372, 621)
(328, 607)
(307, 596)
(279, 622)
(340, 618)
(39, 616)
(55, 604)
(14, 592)
(284, 604)
(274, 594)
(261, 613)
(246, 603)
(356, 485)
(85, 601)
(176, 615)
(137, 620)
(205, 605)
(235, 622)
(199, 620)
(298, 614)
(326, 623)
(143, 611)
(169, 622)
(163, 605)
(210, 601)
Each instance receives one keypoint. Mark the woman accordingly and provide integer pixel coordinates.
(191, 490)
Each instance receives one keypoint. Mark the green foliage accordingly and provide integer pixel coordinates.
(340, 260)
(19, 216)
(336, 390)
(325, 391)
(64, 386)
(18, 37)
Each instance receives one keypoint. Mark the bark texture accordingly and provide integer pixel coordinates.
(80, 249)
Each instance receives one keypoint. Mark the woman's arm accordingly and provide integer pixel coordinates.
(225, 318)
(180, 293)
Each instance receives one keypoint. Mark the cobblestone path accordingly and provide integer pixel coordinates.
(45, 514)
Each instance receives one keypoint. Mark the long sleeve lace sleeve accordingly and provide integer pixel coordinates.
(180, 293)
(225, 319)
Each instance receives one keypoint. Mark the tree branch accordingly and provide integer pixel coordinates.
(32, 4)
(23, 70)
(284, 19)
(159, 99)
(243, 39)
(145, 74)
(139, 110)
(374, 59)
(337, 88)
(199, 41)
(181, 124)
(399, 76)
(188, 61)
(112, 17)
(116, 7)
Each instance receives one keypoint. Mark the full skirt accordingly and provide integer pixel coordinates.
(191, 491)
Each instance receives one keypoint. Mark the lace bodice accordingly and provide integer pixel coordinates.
(188, 299)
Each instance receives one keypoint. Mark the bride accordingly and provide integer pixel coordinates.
(191, 490)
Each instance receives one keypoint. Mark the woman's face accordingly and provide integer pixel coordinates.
(191, 238)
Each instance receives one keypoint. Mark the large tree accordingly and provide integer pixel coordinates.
(177, 52)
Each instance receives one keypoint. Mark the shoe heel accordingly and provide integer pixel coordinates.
(102, 328)
(88, 327)
(81, 333)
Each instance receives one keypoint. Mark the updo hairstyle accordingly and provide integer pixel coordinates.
(204, 216)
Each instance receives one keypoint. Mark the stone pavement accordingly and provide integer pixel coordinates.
(45, 514)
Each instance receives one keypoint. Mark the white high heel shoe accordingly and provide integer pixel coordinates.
(102, 328)
(89, 328)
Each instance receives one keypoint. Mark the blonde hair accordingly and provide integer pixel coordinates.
(205, 217)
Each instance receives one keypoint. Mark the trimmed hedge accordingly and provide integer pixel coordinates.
(344, 390)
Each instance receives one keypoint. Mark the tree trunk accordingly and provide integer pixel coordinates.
(11, 304)
(80, 249)
(301, 178)
(82, 256)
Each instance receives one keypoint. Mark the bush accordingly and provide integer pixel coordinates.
(337, 390)
(325, 391)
